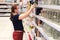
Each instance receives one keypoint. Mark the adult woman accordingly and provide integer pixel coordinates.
(16, 19)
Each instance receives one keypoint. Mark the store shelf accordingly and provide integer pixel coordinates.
(41, 31)
(5, 15)
(50, 6)
(5, 10)
(54, 25)
(7, 3)
(5, 7)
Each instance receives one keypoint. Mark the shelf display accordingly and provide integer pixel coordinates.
(53, 15)
(49, 2)
(51, 32)
(6, 6)
(9, 1)
(50, 16)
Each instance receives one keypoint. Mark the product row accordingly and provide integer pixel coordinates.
(10, 1)
(49, 2)
(53, 15)
(51, 32)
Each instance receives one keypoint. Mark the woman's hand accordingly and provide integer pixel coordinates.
(33, 6)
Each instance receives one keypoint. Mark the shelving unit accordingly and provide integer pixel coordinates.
(53, 26)
(41, 31)
(50, 23)
(5, 7)
(55, 7)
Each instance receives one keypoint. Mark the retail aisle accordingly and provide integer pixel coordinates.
(6, 29)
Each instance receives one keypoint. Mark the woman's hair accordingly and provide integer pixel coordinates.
(14, 6)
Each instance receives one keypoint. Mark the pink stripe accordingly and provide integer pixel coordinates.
(30, 38)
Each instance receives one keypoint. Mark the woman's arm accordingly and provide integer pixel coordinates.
(24, 15)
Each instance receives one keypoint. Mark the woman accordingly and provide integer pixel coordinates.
(16, 19)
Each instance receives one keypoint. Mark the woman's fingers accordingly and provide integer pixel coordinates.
(34, 5)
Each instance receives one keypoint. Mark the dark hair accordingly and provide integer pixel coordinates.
(13, 10)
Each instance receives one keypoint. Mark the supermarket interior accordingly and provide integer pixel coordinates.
(42, 23)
